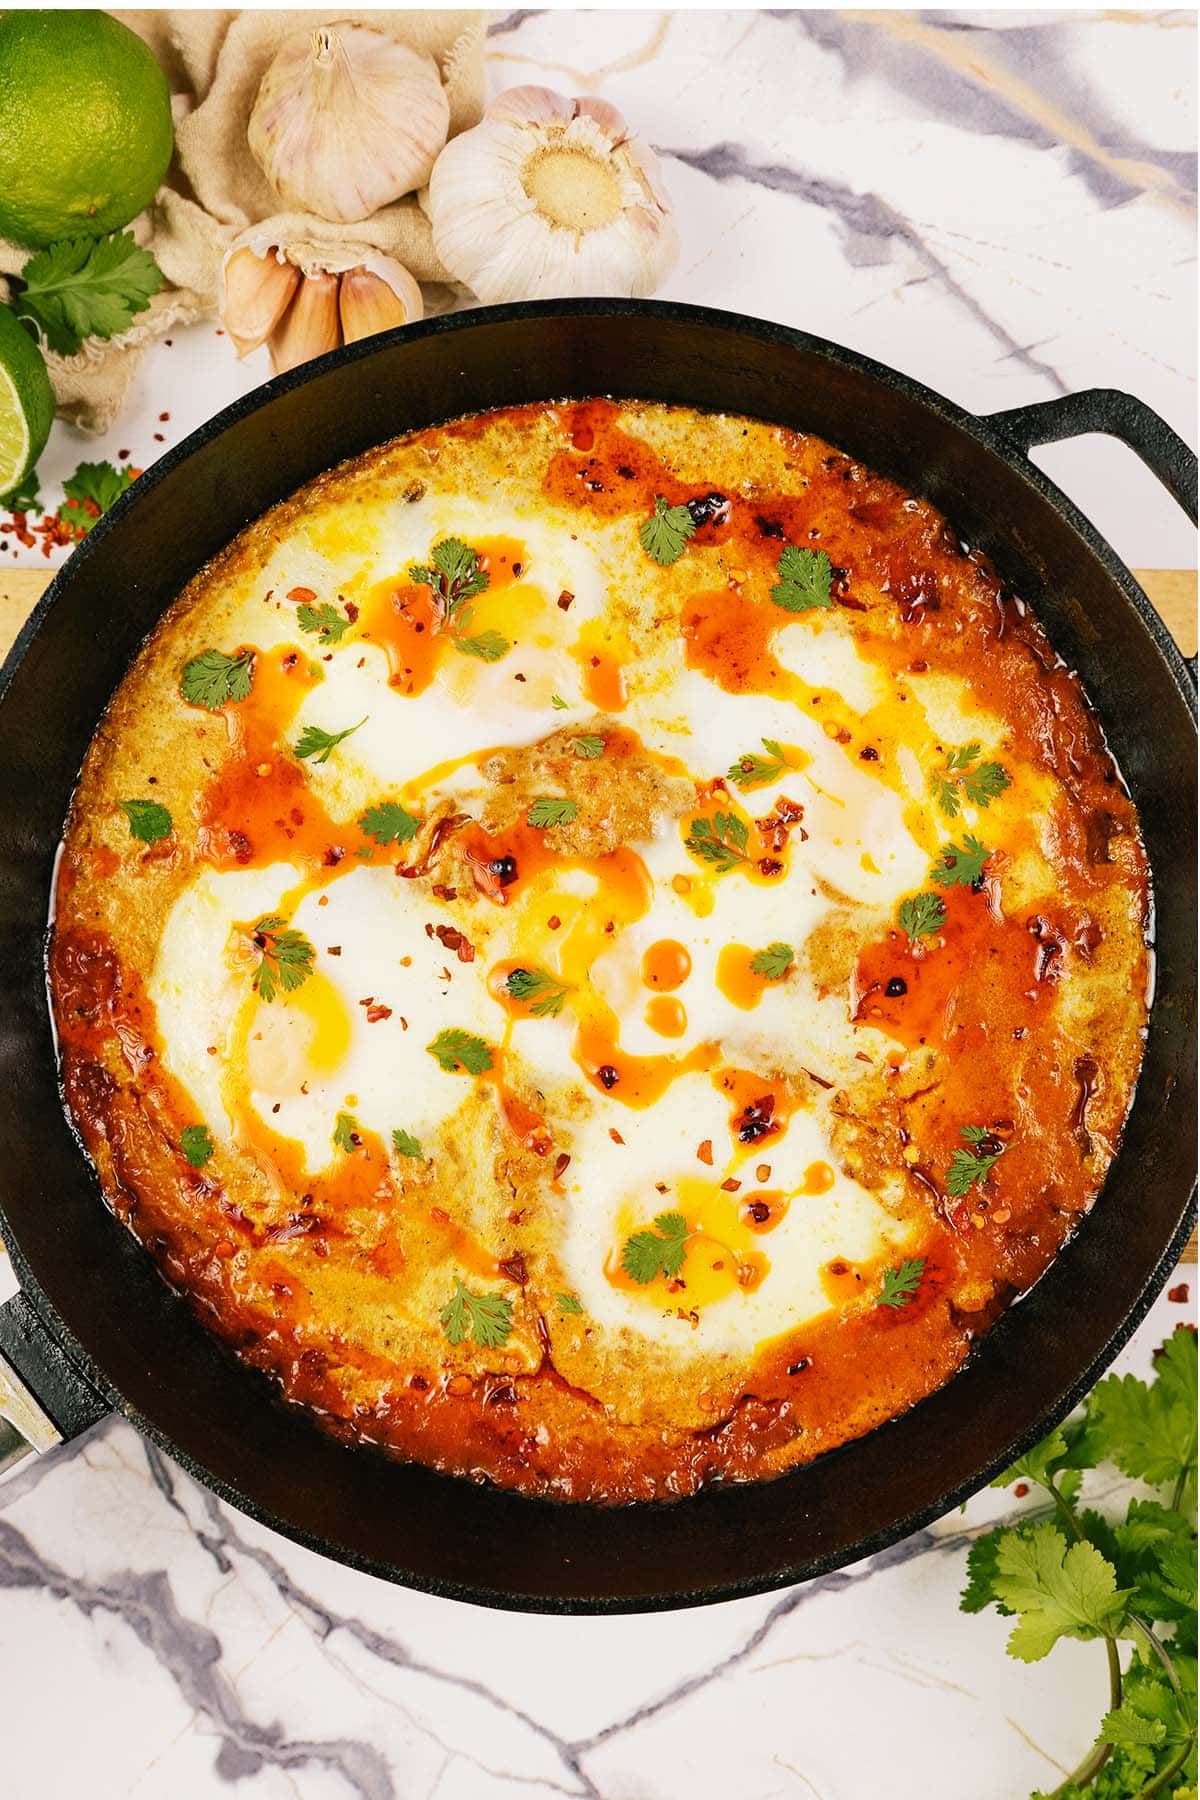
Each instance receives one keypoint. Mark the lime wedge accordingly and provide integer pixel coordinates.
(26, 401)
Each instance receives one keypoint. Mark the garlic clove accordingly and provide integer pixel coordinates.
(309, 327)
(377, 297)
(257, 292)
(548, 197)
(346, 120)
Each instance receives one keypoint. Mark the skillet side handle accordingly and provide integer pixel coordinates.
(44, 1400)
(1116, 414)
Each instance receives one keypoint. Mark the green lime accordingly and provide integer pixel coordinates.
(26, 401)
(85, 125)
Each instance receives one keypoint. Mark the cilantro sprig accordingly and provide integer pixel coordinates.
(86, 287)
(320, 745)
(90, 492)
(389, 823)
(720, 841)
(773, 962)
(324, 621)
(545, 992)
(922, 915)
(966, 778)
(546, 812)
(148, 820)
(901, 1284)
(969, 1167)
(196, 1143)
(457, 1051)
(1081, 1574)
(453, 576)
(958, 865)
(588, 747)
(345, 1132)
(752, 770)
(485, 1317)
(405, 1144)
(214, 680)
(285, 958)
(665, 533)
(661, 1251)
(805, 580)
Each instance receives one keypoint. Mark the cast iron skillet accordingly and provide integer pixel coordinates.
(94, 1328)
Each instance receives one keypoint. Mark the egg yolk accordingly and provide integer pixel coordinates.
(666, 964)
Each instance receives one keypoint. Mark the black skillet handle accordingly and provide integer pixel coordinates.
(44, 1400)
(1116, 414)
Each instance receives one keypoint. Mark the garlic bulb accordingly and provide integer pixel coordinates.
(257, 292)
(309, 327)
(377, 296)
(548, 197)
(346, 120)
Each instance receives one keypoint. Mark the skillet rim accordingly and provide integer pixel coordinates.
(994, 440)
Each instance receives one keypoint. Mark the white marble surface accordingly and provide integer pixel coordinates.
(997, 203)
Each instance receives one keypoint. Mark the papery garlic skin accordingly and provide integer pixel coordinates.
(347, 120)
(256, 293)
(309, 327)
(549, 197)
(377, 296)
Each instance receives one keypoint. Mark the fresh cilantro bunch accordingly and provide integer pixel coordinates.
(86, 287)
(1074, 1573)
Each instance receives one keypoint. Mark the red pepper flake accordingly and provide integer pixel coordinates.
(334, 950)
(615, 1135)
(376, 1011)
(553, 922)
(351, 610)
(705, 1152)
(451, 939)
(763, 1172)
(1179, 1294)
(1021, 1489)
(562, 1163)
(731, 1186)
(514, 1267)
(163, 417)
(302, 595)
(565, 599)
(159, 438)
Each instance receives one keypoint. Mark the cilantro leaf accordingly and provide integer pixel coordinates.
(773, 962)
(1150, 1431)
(389, 823)
(344, 1128)
(589, 747)
(456, 1050)
(87, 287)
(665, 533)
(26, 497)
(148, 821)
(979, 785)
(285, 958)
(319, 744)
(90, 491)
(486, 1317)
(196, 1143)
(959, 866)
(558, 703)
(546, 812)
(970, 1166)
(922, 916)
(752, 770)
(1039, 1464)
(568, 1303)
(213, 680)
(405, 1144)
(324, 621)
(805, 578)
(720, 840)
(1057, 1591)
(454, 578)
(899, 1285)
(545, 991)
(486, 646)
(648, 1254)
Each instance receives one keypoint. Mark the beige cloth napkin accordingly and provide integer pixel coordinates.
(215, 195)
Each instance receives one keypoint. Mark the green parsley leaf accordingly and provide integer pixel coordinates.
(26, 497)
(752, 770)
(1057, 1591)
(196, 1143)
(1150, 1431)
(457, 1050)
(568, 1303)
(285, 960)
(899, 1285)
(90, 491)
(720, 840)
(959, 867)
(454, 578)
(546, 812)
(405, 1144)
(486, 1317)
(969, 1166)
(665, 533)
(324, 621)
(805, 578)
(545, 991)
(213, 680)
(148, 821)
(773, 962)
(979, 785)
(922, 916)
(389, 823)
(319, 744)
(588, 747)
(659, 1252)
(558, 703)
(87, 287)
(486, 646)
(344, 1128)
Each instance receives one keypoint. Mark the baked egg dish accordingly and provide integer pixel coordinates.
(601, 948)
